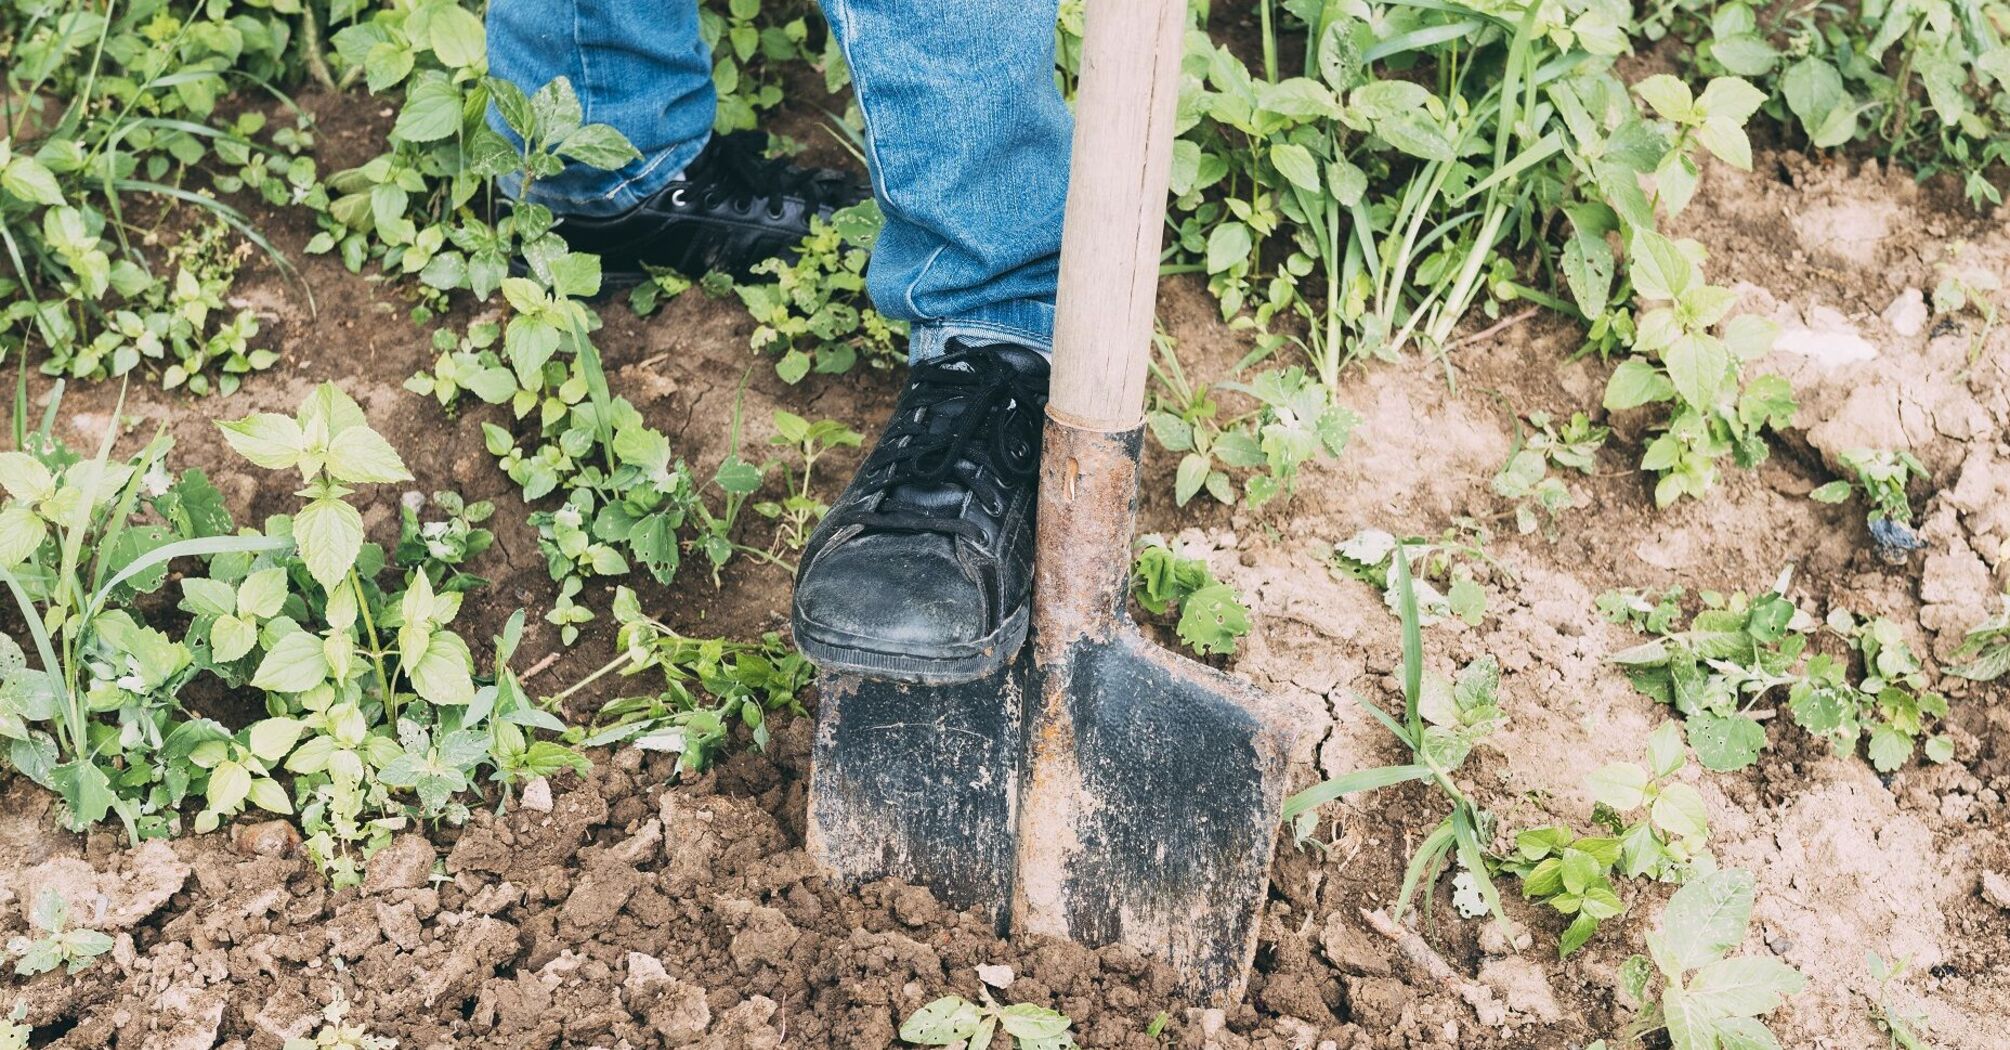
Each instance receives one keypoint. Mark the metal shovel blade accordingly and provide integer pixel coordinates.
(1153, 783)
(917, 783)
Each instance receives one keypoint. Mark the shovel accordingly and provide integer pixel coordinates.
(1104, 790)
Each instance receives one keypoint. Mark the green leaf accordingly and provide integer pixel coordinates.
(267, 795)
(1747, 1033)
(1621, 785)
(330, 535)
(268, 439)
(1189, 477)
(28, 179)
(272, 738)
(1212, 618)
(457, 36)
(294, 664)
(1669, 96)
(1664, 749)
(600, 146)
(1689, 1025)
(1706, 918)
(1028, 1021)
(444, 674)
(1725, 743)
(1227, 245)
(206, 597)
(1296, 164)
(229, 783)
(360, 455)
(1833, 492)
(432, 110)
(1700, 368)
(230, 637)
(1635, 383)
(947, 1020)
(262, 594)
(1748, 986)
(1659, 269)
(1679, 811)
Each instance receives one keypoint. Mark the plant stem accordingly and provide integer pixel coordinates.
(376, 650)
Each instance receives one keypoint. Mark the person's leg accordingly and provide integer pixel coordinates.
(967, 140)
(640, 67)
(923, 568)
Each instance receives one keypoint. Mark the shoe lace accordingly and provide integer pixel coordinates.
(740, 172)
(991, 440)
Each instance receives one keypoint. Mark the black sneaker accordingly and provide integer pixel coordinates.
(923, 570)
(731, 208)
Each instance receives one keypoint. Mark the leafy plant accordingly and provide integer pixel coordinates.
(799, 511)
(1708, 999)
(1540, 496)
(815, 313)
(335, 1033)
(1293, 421)
(753, 44)
(1882, 475)
(15, 1029)
(1649, 826)
(440, 547)
(1442, 723)
(1211, 615)
(1369, 555)
(709, 687)
(110, 132)
(955, 1021)
(60, 944)
(1984, 654)
(1890, 705)
(1904, 1029)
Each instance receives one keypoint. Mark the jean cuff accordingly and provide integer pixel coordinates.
(590, 193)
(1027, 322)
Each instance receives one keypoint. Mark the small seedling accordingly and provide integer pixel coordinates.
(1211, 615)
(1369, 556)
(1527, 478)
(1882, 475)
(955, 1021)
(441, 546)
(59, 943)
(1904, 1029)
(1650, 826)
(1984, 655)
(1442, 722)
(1706, 999)
(815, 313)
(336, 1034)
(1890, 705)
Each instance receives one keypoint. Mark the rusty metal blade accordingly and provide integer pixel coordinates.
(919, 783)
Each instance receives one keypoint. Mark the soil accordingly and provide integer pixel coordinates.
(625, 909)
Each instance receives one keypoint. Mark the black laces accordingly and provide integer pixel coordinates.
(734, 168)
(969, 421)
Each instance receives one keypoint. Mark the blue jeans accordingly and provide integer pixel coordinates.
(967, 138)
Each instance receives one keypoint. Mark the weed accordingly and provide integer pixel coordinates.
(1984, 654)
(441, 546)
(15, 1029)
(752, 44)
(1540, 496)
(1211, 615)
(1707, 999)
(1890, 706)
(335, 1033)
(955, 1021)
(1442, 723)
(709, 687)
(800, 510)
(1650, 826)
(1906, 1030)
(815, 312)
(1882, 475)
(1964, 287)
(60, 944)
(1369, 555)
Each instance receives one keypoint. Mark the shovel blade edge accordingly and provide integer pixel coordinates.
(919, 783)
(1152, 808)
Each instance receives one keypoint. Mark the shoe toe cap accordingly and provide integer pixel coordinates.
(893, 593)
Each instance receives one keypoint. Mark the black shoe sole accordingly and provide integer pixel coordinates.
(851, 655)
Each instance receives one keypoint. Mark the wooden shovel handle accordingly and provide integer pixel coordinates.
(1115, 219)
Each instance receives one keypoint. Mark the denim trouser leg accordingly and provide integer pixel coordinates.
(640, 67)
(968, 142)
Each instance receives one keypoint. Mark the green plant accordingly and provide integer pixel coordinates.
(1293, 421)
(799, 510)
(1708, 999)
(709, 686)
(1890, 706)
(109, 135)
(60, 944)
(815, 313)
(1984, 653)
(15, 1029)
(752, 44)
(1965, 286)
(1926, 83)
(1369, 555)
(955, 1021)
(1650, 826)
(1882, 474)
(335, 1033)
(1904, 1029)
(1539, 496)
(1211, 615)
(1442, 723)
(1733, 652)
(440, 547)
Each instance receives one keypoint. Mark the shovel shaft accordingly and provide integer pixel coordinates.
(1115, 219)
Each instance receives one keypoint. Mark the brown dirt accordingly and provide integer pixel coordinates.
(631, 913)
